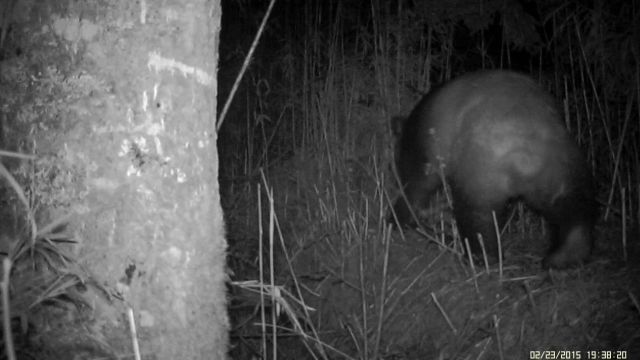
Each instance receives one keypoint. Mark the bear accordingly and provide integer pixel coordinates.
(497, 137)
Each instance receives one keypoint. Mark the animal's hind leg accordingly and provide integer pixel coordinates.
(475, 216)
(571, 220)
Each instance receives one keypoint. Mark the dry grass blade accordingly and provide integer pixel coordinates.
(275, 225)
(16, 155)
(285, 303)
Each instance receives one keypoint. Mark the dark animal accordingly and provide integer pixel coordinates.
(496, 136)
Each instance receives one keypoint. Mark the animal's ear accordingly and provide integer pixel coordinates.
(397, 124)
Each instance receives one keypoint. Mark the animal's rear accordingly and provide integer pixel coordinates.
(497, 136)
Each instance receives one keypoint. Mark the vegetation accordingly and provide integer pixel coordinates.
(306, 164)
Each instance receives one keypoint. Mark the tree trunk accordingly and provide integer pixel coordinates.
(134, 136)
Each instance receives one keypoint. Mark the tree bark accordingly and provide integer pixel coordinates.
(134, 136)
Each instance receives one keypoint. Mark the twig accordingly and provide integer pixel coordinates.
(245, 65)
(134, 334)
(6, 318)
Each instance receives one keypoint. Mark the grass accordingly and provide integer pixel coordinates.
(374, 293)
